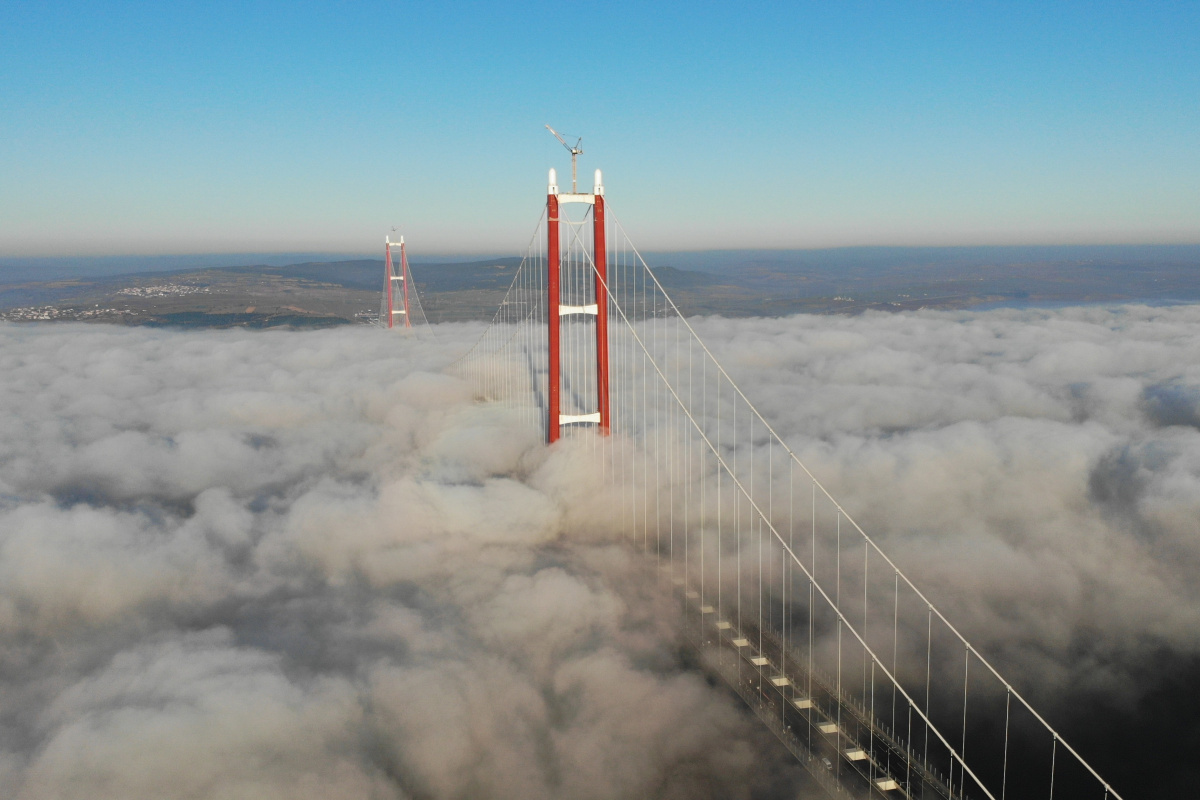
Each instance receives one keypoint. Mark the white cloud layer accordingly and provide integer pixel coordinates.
(304, 565)
(279, 564)
(1036, 472)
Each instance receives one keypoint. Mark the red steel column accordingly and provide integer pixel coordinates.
(600, 256)
(404, 274)
(387, 281)
(554, 386)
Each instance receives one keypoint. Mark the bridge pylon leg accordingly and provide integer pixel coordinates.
(600, 257)
(387, 279)
(554, 275)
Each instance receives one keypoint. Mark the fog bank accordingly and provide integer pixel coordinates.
(304, 564)
(283, 564)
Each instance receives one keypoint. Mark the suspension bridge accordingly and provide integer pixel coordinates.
(783, 595)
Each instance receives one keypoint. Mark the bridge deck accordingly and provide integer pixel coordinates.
(841, 743)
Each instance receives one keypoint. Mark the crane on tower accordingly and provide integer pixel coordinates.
(575, 151)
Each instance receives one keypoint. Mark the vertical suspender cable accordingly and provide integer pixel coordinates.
(966, 674)
(871, 735)
(928, 668)
(866, 565)
(1053, 763)
(895, 642)
(1004, 768)
(715, 508)
(787, 573)
(838, 605)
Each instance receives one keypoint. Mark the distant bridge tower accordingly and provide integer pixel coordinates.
(557, 310)
(395, 272)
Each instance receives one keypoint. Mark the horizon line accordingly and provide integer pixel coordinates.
(350, 255)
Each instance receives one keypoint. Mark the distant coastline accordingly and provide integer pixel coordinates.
(740, 283)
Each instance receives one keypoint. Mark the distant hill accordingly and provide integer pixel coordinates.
(730, 283)
(368, 273)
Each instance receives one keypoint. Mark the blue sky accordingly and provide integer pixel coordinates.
(212, 127)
